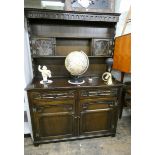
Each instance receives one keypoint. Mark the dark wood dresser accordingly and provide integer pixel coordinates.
(62, 111)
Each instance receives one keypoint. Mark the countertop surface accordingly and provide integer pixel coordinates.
(62, 83)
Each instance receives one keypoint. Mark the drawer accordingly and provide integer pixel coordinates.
(51, 101)
(44, 98)
(110, 92)
(52, 95)
(98, 104)
(54, 107)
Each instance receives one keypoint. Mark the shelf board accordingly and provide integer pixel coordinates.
(65, 56)
(100, 56)
(48, 56)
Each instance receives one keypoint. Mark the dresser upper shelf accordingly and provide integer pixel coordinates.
(53, 34)
(44, 57)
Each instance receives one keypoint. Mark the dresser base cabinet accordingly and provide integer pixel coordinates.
(74, 112)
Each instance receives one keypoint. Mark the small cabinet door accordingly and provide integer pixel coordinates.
(97, 117)
(53, 119)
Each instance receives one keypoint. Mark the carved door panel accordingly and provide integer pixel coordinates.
(102, 47)
(54, 121)
(97, 117)
(43, 46)
(56, 125)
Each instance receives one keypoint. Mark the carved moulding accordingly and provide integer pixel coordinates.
(43, 46)
(73, 16)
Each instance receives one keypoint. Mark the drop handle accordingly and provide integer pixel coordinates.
(69, 108)
(77, 117)
(85, 106)
(111, 105)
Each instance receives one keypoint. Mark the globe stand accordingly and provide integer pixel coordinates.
(76, 80)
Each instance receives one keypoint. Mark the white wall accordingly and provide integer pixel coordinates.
(27, 58)
(117, 5)
(28, 78)
(122, 6)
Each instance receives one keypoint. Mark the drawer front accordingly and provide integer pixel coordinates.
(42, 102)
(110, 92)
(54, 107)
(54, 95)
(98, 104)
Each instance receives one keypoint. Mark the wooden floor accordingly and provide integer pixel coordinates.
(119, 145)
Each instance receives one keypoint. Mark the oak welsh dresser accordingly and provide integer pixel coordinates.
(61, 111)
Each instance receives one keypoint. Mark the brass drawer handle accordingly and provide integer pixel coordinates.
(69, 108)
(76, 116)
(37, 109)
(104, 94)
(104, 102)
(85, 106)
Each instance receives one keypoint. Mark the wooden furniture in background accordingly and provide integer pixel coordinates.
(122, 54)
(61, 111)
(126, 97)
(122, 59)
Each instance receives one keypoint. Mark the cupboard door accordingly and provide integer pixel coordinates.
(97, 117)
(54, 121)
(60, 125)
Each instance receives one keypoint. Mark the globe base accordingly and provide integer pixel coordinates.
(46, 82)
(76, 81)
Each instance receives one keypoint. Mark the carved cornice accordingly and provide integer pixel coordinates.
(72, 16)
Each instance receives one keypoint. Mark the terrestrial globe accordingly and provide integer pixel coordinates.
(76, 63)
